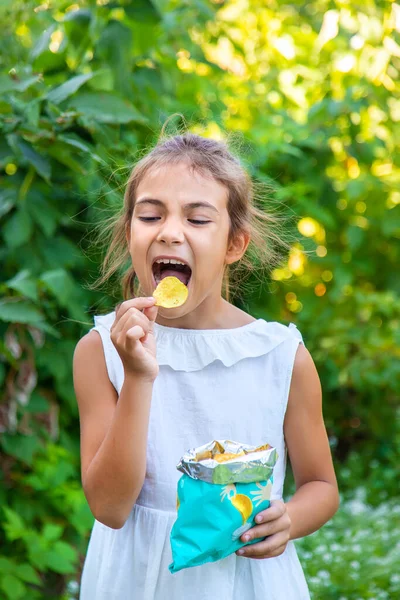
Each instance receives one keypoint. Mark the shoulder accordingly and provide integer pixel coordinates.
(89, 354)
(89, 365)
(89, 343)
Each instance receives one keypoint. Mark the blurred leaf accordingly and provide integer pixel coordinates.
(65, 90)
(22, 447)
(20, 312)
(39, 162)
(27, 573)
(18, 229)
(62, 558)
(143, 11)
(24, 283)
(391, 223)
(43, 42)
(7, 201)
(355, 236)
(13, 587)
(60, 284)
(44, 214)
(106, 108)
(52, 532)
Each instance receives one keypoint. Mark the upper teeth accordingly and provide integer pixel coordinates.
(170, 260)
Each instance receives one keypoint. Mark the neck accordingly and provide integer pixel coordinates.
(210, 314)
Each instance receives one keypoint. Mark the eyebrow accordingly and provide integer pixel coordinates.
(188, 205)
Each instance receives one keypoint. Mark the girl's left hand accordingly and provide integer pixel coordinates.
(275, 525)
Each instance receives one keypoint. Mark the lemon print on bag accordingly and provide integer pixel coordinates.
(242, 503)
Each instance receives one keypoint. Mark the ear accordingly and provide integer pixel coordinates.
(237, 247)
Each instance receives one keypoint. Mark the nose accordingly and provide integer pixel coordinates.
(171, 232)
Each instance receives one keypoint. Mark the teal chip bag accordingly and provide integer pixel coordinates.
(224, 486)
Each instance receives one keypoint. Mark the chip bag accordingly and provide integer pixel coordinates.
(224, 486)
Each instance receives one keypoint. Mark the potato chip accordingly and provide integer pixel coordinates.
(170, 293)
(226, 456)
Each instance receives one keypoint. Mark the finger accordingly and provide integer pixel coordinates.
(275, 510)
(151, 314)
(131, 317)
(277, 552)
(135, 318)
(265, 547)
(139, 303)
(270, 528)
(133, 335)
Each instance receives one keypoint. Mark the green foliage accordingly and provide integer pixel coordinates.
(356, 554)
(84, 88)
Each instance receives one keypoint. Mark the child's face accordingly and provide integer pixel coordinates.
(167, 227)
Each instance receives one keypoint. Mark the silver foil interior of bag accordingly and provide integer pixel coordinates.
(253, 463)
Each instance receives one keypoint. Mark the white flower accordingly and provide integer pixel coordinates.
(324, 574)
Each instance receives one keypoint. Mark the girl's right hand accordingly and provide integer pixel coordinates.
(132, 334)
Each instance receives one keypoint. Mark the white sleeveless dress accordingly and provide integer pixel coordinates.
(212, 384)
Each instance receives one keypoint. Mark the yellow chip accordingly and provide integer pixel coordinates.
(226, 456)
(170, 293)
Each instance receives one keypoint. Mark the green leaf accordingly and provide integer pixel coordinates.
(355, 236)
(63, 91)
(391, 222)
(37, 404)
(14, 525)
(106, 108)
(6, 565)
(7, 84)
(115, 47)
(20, 311)
(42, 45)
(18, 229)
(27, 573)
(52, 532)
(7, 201)
(63, 154)
(20, 446)
(143, 11)
(24, 283)
(45, 215)
(13, 587)
(62, 558)
(76, 142)
(39, 162)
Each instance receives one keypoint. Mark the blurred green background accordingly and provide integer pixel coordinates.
(309, 93)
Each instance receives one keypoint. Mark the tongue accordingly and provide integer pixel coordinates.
(174, 273)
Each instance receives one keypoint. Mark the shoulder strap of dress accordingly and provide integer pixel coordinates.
(102, 326)
(289, 358)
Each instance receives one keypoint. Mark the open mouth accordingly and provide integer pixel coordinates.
(180, 271)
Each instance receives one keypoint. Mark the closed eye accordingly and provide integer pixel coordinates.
(149, 219)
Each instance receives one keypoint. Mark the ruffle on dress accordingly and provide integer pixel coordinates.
(193, 349)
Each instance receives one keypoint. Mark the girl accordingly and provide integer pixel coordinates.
(153, 382)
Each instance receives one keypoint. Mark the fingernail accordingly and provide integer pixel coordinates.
(241, 551)
(246, 538)
(259, 519)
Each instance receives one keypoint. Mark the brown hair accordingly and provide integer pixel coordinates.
(210, 158)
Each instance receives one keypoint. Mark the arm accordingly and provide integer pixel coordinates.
(113, 433)
(316, 499)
